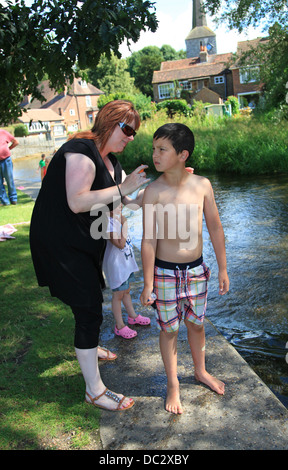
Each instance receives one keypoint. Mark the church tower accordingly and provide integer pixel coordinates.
(201, 40)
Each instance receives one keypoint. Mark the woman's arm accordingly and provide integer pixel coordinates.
(80, 174)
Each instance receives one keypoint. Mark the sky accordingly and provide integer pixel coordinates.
(175, 23)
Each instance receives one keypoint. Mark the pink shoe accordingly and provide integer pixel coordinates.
(139, 320)
(125, 332)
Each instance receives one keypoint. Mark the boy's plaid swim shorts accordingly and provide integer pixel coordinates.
(181, 289)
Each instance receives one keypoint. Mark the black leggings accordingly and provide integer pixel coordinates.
(87, 326)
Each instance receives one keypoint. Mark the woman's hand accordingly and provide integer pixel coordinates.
(135, 180)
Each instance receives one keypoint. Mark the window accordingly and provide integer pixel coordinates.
(249, 74)
(72, 127)
(88, 101)
(83, 83)
(72, 112)
(185, 85)
(39, 126)
(165, 90)
(218, 80)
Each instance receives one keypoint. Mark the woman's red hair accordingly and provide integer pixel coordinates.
(107, 119)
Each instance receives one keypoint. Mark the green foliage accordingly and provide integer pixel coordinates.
(233, 100)
(240, 14)
(52, 37)
(21, 131)
(169, 53)
(142, 64)
(141, 102)
(111, 75)
(174, 106)
(238, 145)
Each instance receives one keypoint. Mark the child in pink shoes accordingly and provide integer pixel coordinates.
(119, 266)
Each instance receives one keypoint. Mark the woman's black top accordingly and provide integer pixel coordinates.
(66, 258)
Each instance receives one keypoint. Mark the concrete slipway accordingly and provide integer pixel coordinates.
(248, 417)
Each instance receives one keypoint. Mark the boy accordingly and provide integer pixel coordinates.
(173, 208)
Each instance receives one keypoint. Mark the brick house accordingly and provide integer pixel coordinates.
(206, 75)
(194, 74)
(246, 84)
(77, 104)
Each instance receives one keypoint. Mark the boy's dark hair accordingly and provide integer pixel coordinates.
(180, 136)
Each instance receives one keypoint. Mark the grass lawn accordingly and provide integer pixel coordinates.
(41, 386)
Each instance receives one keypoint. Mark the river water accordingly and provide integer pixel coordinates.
(253, 316)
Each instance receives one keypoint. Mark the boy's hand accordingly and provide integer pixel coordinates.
(146, 298)
(223, 282)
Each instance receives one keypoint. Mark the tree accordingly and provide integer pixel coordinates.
(141, 65)
(111, 75)
(239, 14)
(51, 37)
(169, 53)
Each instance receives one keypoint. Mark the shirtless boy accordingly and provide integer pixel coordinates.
(173, 208)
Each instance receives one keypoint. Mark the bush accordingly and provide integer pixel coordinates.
(233, 100)
(174, 106)
(244, 146)
(21, 131)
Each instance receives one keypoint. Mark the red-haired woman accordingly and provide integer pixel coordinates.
(66, 252)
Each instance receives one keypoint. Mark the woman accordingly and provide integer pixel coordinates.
(66, 256)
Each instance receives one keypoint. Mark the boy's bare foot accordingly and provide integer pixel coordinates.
(173, 404)
(215, 384)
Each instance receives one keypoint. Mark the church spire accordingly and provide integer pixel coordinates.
(200, 38)
(199, 17)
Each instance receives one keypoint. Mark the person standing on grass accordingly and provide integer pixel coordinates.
(7, 143)
(67, 258)
(171, 250)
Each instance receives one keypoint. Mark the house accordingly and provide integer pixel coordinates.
(76, 105)
(194, 74)
(246, 84)
(204, 74)
(43, 121)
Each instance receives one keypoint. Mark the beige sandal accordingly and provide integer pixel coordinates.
(112, 396)
(108, 357)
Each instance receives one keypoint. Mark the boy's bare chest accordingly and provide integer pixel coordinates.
(181, 196)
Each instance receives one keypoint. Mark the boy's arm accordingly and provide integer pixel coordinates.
(216, 233)
(148, 246)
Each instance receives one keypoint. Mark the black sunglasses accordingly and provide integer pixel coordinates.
(128, 130)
